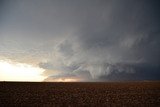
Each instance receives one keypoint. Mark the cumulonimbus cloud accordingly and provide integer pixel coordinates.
(95, 40)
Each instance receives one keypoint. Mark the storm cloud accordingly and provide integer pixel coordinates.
(93, 40)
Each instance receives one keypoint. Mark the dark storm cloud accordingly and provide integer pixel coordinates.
(97, 40)
(142, 72)
(113, 40)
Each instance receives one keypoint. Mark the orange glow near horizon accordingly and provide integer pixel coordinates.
(66, 80)
(63, 79)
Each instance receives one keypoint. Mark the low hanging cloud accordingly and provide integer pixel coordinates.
(113, 43)
(93, 40)
(100, 63)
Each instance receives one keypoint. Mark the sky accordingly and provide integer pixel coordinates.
(79, 40)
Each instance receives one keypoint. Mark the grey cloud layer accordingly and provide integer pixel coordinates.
(95, 40)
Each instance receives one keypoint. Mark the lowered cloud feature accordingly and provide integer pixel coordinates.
(93, 40)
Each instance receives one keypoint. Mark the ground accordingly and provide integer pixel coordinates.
(114, 94)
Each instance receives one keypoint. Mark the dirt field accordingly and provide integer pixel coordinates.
(126, 94)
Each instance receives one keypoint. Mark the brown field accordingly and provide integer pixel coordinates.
(126, 94)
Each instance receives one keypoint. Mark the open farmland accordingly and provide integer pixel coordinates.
(128, 94)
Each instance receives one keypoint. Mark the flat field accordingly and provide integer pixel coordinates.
(114, 94)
